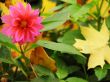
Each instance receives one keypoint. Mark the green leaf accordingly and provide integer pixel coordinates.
(62, 81)
(63, 70)
(57, 7)
(42, 71)
(100, 73)
(64, 48)
(71, 9)
(45, 79)
(4, 38)
(55, 20)
(0, 45)
(31, 47)
(73, 34)
(107, 66)
(37, 80)
(76, 11)
(5, 55)
(45, 75)
(12, 46)
(70, 1)
(108, 22)
(81, 11)
(75, 79)
(72, 69)
(22, 81)
(7, 41)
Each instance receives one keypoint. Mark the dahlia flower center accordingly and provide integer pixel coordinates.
(23, 24)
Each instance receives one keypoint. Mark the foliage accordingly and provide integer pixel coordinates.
(73, 46)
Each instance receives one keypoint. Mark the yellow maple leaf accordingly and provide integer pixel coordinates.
(95, 44)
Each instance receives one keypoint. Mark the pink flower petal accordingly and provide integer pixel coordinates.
(7, 30)
(6, 19)
(22, 24)
(18, 35)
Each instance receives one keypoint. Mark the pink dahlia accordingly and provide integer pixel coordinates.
(22, 24)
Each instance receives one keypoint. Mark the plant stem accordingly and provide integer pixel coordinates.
(99, 15)
(95, 18)
(22, 52)
(16, 70)
(99, 22)
(101, 4)
(15, 74)
(85, 72)
(33, 70)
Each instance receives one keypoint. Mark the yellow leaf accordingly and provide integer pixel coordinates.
(4, 8)
(82, 46)
(96, 58)
(94, 36)
(14, 2)
(47, 5)
(104, 9)
(39, 56)
(95, 44)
